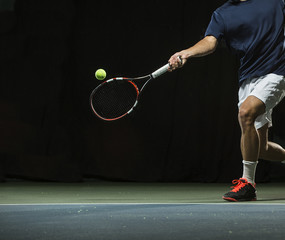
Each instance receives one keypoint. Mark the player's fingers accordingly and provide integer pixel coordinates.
(183, 60)
(171, 64)
(179, 61)
(175, 62)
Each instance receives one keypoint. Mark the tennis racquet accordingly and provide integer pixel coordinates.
(117, 97)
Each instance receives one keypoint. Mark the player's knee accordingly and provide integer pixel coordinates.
(246, 116)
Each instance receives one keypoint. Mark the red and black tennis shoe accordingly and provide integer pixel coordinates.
(242, 191)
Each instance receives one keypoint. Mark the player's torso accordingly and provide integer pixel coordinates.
(251, 22)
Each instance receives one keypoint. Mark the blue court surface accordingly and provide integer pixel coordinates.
(137, 211)
(142, 221)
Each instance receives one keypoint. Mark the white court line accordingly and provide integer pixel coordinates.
(70, 204)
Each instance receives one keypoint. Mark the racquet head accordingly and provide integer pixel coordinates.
(117, 97)
(114, 98)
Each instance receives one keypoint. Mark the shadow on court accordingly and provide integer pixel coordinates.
(142, 221)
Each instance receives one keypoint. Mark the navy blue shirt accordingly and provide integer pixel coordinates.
(254, 30)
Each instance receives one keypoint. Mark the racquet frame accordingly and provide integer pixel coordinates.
(147, 78)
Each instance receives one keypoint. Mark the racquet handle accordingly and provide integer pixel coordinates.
(160, 71)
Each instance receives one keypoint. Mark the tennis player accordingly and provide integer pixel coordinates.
(254, 30)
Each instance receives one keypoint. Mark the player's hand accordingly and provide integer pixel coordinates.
(177, 61)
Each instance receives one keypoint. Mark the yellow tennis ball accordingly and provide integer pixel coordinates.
(100, 74)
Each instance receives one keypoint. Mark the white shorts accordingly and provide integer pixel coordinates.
(270, 89)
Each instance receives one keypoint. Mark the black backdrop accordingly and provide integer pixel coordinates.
(185, 128)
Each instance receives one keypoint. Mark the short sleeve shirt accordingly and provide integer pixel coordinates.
(254, 31)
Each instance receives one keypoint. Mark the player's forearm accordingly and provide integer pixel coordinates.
(202, 48)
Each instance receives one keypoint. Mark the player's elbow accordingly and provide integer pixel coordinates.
(212, 43)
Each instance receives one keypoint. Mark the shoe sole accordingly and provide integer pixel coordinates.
(240, 200)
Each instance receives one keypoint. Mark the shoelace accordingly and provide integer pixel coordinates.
(239, 185)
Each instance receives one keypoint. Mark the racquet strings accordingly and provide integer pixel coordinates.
(114, 99)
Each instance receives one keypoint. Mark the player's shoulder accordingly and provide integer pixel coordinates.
(231, 6)
(225, 7)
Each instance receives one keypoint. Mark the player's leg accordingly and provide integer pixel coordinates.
(250, 109)
(257, 98)
(269, 150)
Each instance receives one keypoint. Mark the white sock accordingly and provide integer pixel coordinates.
(249, 169)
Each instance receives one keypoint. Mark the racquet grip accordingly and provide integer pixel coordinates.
(160, 71)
